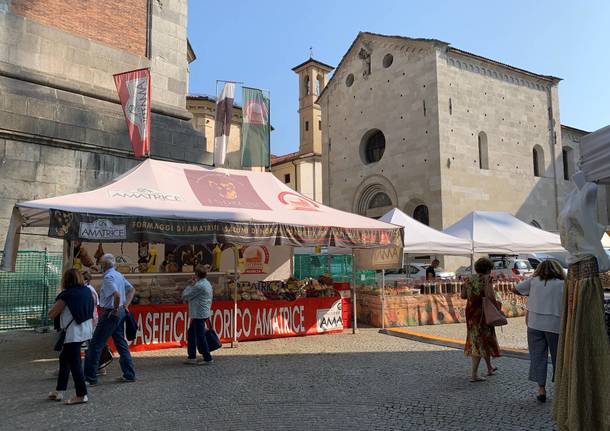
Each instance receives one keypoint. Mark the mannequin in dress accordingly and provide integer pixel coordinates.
(580, 233)
(582, 379)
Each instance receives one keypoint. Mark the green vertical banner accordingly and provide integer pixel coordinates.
(255, 130)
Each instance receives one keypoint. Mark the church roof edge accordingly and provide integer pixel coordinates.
(437, 42)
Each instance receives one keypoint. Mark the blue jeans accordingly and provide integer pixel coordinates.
(109, 326)
(196, 340)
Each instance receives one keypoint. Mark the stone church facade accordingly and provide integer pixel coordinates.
(439, 132)
(62, 129)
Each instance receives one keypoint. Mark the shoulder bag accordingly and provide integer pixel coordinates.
(61, 338)
(493, 316)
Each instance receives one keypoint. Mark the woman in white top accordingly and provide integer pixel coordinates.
(74, 307)
(545, 291)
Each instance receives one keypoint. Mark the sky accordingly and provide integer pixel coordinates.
(260, 41)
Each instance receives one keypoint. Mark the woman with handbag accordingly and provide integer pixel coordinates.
(74, 308)
(199, 297)
(481, 341)
(545, 291)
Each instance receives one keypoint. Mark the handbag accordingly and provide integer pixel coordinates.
(493, 316)
(131, 327)
(105, 357)
(61, 338)
(211, 337)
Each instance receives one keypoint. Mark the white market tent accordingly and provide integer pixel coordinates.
(595, 156)
(501, 232)
(424, 239)
(178, 202)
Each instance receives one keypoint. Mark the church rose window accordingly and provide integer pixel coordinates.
(373, 146)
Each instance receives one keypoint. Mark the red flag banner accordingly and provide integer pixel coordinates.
(134, 92)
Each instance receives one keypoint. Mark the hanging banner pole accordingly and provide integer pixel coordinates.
(234, 314)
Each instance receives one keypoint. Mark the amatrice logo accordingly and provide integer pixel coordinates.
(256, 259)
(102, 229)
(144, 193)
(298, 202)
(329, 319)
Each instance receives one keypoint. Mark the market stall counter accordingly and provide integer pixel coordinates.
(428, 303)
(263, 310)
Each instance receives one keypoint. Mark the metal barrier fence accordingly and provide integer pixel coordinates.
(27, 293)
(338, 266)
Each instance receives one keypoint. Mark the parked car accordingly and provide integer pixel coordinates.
(510, 266)
(411, 271)
(535, 258)
(503, 265)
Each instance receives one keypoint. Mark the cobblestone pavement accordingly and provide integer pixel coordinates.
(513, 335)
(365, 381)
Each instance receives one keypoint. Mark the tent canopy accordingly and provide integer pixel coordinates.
(420, 238)
(177, 202)
(500, 232)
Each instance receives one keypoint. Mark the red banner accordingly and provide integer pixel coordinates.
(134, 92)
(164, 325)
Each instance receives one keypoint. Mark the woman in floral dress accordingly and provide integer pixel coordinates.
(481, 341)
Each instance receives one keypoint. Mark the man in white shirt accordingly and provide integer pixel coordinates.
(115, 297)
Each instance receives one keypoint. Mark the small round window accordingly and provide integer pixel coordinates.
(372, 146)
(388, 59)
(349, 80)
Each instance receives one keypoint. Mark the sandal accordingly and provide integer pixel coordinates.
(492, 371)
(478, 379)
(55, 396)
(77, 400)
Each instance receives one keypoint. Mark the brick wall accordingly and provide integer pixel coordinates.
(118, 23)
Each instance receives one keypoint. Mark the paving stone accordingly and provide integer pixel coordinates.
(363, 381)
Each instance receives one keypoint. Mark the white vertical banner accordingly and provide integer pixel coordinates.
(222, 124)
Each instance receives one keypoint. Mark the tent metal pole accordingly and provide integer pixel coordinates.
(354, 318)
(234, 317)
(472, 261)
(383, 299)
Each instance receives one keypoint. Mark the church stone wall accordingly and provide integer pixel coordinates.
(62, 129)
(392, 100)
(512, 110)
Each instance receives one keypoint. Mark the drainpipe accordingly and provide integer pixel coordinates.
(553, 142)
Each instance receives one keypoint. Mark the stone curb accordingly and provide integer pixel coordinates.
(447, 342)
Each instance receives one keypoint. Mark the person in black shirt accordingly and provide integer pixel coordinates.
(430, 271)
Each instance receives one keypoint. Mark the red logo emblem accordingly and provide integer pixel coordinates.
(298, 202)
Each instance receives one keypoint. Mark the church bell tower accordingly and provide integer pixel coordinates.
(313, 76)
